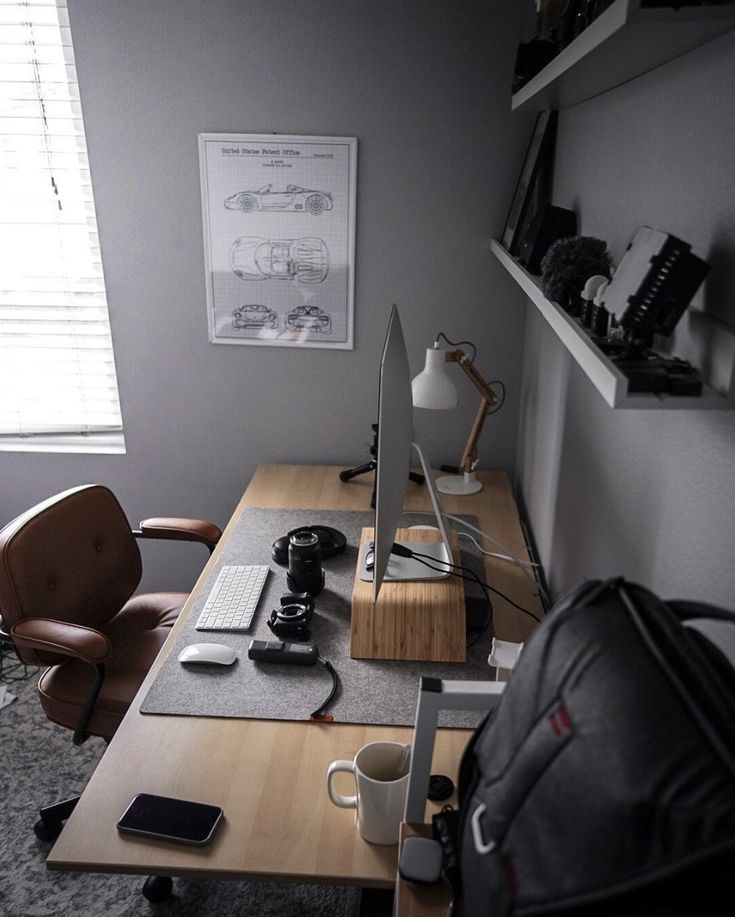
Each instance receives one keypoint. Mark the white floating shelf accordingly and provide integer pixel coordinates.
(628, 39)
(599, 369)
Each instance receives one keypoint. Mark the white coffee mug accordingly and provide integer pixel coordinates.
(381, 779)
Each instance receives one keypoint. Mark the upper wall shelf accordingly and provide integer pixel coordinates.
(630, 38)
(601, 371)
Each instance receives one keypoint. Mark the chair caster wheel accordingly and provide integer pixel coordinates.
(47, 832)
(158, 888)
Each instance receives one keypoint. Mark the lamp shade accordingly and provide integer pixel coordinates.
(433, 388)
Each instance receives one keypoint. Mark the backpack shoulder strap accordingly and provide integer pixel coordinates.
(706, 689)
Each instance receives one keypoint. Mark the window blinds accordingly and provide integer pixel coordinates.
(57, 369)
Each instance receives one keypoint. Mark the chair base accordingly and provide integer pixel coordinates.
(157, 888)
(52, 819)
(49, 827)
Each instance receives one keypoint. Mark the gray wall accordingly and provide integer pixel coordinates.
(647, 494)
(424, 86)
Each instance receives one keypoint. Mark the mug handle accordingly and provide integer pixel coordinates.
(344, 802)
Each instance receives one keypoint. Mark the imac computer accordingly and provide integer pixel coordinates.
(395, 443)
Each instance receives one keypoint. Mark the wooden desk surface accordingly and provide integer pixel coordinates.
(268, 776)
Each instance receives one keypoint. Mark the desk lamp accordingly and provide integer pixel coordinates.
(433, 389)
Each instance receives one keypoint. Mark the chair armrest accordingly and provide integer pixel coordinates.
(180, 530)
(42, 635)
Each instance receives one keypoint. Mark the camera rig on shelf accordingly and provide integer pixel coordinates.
(650, 291)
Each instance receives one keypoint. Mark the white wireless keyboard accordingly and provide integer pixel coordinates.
(234, 598)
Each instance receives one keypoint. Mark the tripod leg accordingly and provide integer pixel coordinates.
(353, 472)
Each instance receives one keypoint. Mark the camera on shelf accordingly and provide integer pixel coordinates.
(292, 619)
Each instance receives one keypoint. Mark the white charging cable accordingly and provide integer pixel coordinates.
(508, 556)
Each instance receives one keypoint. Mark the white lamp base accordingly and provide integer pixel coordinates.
(459, 485)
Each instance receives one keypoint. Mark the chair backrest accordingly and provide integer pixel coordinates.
(71, 558)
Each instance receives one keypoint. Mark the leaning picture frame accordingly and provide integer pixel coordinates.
(538, 146)
(278, 214)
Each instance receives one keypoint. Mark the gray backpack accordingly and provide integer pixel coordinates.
(604, 780)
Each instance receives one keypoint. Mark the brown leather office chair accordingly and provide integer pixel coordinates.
(68, 569)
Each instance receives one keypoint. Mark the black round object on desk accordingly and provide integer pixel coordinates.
(331, 542)
(441, 787)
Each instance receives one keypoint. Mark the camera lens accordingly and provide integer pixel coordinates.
(305, 572)
(292, 612)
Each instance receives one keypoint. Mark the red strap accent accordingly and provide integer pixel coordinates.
(510, 875)
(560, 721)
(322, 718)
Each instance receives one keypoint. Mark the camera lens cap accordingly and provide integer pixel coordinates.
(441, 787)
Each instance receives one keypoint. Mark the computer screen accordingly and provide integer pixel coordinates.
(395, 443)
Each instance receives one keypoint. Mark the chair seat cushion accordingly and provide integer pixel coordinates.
(136, 633)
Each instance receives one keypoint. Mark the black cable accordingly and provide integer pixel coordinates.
(8, 671)
(486, 585)
(500, 404)
(332, 694)
(459, 344)
(473, 578)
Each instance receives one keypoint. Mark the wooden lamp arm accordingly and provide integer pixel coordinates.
(487, 400)
(459, 356)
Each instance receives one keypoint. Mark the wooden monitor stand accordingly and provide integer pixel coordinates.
(422, 620)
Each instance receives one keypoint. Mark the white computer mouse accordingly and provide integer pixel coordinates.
(208, 652)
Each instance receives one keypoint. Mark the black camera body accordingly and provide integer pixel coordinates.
(292, 619)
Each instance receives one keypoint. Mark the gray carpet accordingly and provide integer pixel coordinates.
(39, 765)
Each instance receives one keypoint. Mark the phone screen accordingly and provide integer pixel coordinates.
(170, 819)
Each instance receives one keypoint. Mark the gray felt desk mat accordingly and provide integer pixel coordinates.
(372, 691)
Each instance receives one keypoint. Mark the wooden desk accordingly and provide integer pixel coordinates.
(270, 777)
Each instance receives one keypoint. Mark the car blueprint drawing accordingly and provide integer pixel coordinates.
(255, 258)
(254, 316)
(309, 318)
(294, 197)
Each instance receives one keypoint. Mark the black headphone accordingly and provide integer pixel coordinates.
(331, 542)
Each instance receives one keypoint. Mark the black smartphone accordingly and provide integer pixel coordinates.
(170, 819)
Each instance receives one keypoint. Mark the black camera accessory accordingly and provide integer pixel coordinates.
(305, 572)
(441, 787)
(331, 542)
(292, 618)
(296, 654)
(599, 321)
(445, 828)
(283, 653)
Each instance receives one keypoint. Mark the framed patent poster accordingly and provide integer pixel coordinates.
(279, 238)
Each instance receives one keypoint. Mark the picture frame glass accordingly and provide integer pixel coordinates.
(538, 148)
(279, 238)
